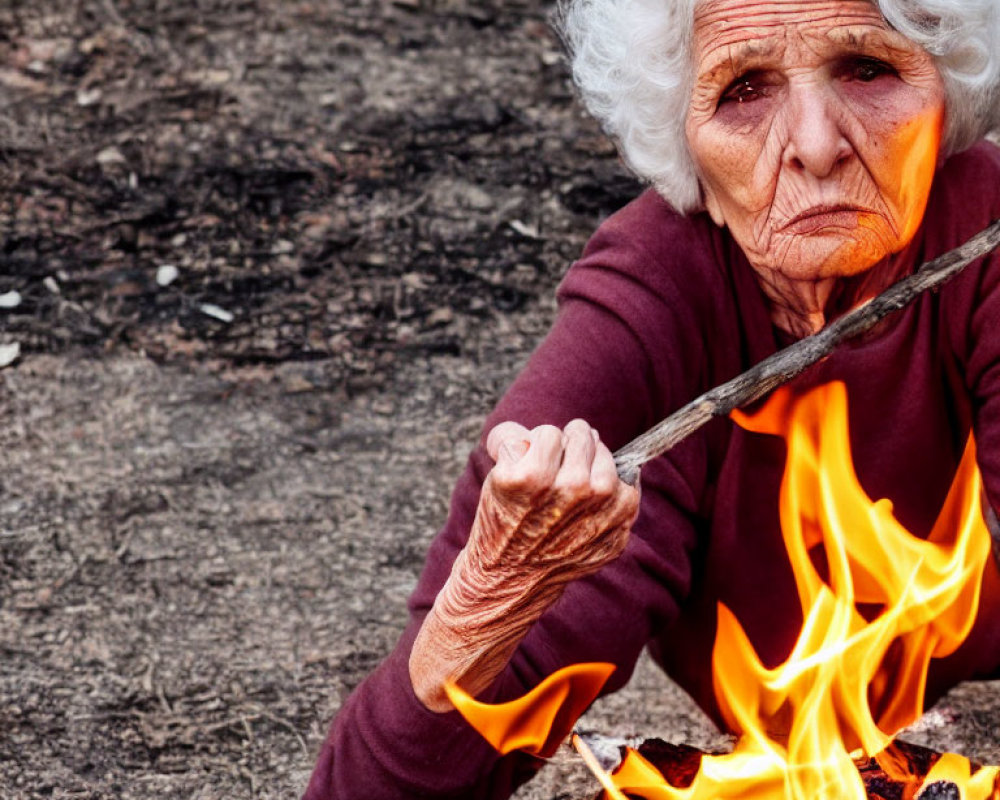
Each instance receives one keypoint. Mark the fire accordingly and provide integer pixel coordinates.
(538, 722)
(877, 603)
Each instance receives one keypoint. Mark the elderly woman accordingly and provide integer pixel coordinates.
(803, 156)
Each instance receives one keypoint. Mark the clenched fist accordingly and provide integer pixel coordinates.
(552, 510)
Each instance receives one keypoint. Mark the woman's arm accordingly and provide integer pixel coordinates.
(623, 352)
(386, 743)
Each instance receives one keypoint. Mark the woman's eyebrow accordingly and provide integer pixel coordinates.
(868, 40)
(735, 59)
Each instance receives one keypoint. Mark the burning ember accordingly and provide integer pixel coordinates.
(878, 603)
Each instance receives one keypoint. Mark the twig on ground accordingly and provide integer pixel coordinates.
(786, 364)
(263, 713)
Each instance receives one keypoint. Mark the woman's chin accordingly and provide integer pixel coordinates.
(826, 256)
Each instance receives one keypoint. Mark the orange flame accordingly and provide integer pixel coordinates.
(538, 722)
(853, 679)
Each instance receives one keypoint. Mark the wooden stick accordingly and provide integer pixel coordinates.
(595, 767)
(784, 365)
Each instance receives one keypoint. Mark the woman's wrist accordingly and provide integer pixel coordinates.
(477, 621)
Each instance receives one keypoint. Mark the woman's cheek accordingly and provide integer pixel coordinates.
(906, 169)
(736, 142)
(899, 143)
(916, 152)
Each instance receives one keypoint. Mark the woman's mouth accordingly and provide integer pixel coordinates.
(819, 217)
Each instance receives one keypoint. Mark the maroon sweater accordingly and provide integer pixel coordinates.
(659, 309)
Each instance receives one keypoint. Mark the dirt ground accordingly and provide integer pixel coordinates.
(273, 262)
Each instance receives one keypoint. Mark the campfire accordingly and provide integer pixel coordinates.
(878, 603)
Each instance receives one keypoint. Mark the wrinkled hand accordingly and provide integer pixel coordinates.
(553, 507)
(552, 510)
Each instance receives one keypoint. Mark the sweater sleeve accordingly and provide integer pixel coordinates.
(983, 377)
(977, 310)
(596, 363)
(974, 316)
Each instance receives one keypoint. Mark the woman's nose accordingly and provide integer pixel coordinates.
(816, 142)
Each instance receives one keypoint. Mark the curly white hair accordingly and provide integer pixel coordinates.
(632, 64)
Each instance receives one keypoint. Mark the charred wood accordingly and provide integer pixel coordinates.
(899, 773)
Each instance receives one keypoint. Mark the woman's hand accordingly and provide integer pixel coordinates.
(553, 504)
(552, 510)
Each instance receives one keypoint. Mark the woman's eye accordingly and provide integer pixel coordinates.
(865, 69)
(744, 89)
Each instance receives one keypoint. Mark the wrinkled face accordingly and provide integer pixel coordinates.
(815, 129)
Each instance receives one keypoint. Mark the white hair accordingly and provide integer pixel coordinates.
(632, 64)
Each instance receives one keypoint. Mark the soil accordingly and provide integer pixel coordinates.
(273, 262)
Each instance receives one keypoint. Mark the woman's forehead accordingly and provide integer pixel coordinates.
(780, 12)
(720, 22)
(727, 32)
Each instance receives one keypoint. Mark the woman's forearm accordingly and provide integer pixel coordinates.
(473, 628)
